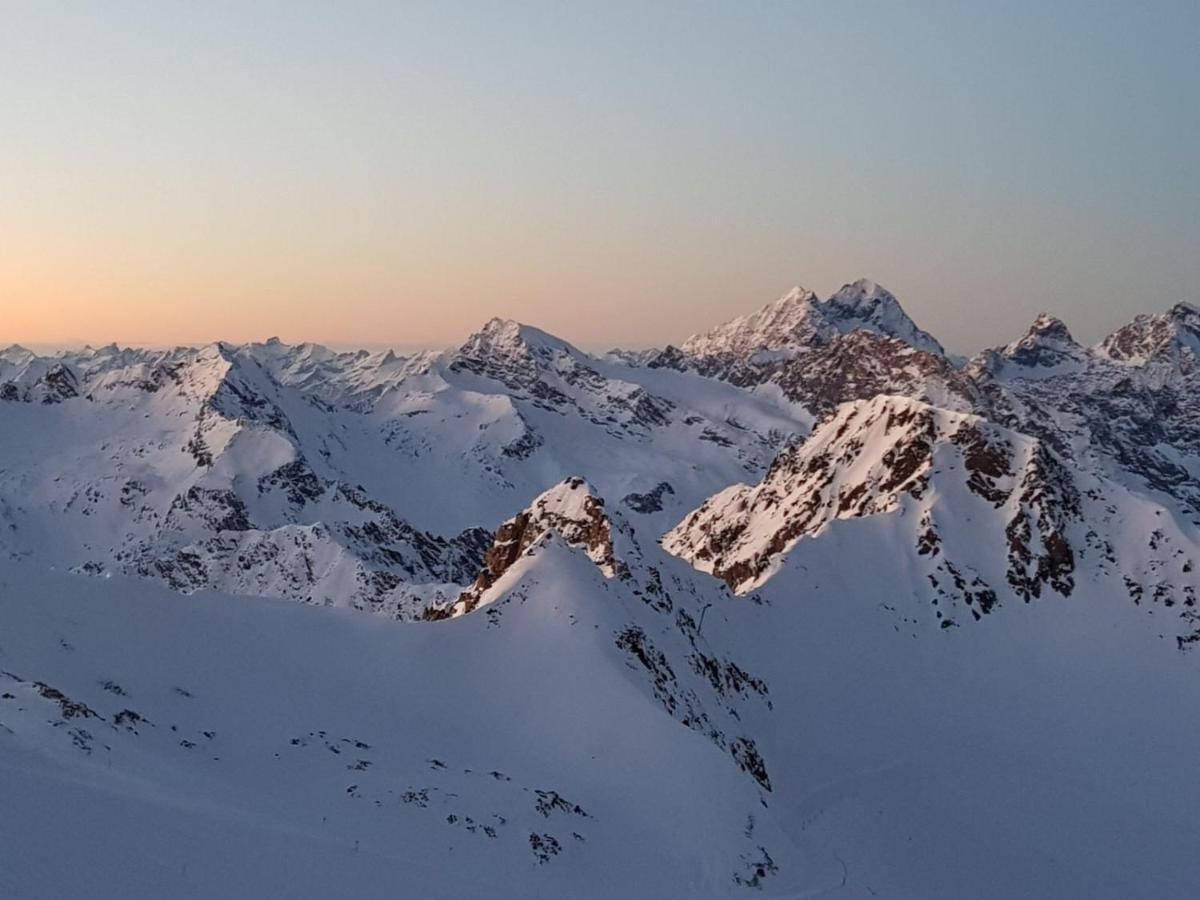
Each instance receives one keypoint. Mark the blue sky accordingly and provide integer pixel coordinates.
(615, 173)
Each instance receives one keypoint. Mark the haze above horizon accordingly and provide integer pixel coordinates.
(617, 174)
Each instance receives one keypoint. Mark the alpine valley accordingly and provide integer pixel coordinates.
(803, 606)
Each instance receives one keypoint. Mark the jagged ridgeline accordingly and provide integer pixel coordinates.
(379, 482)
(779, 608)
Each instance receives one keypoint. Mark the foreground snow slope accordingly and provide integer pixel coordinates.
(157, 745)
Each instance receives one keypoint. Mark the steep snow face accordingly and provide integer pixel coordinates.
(1170, 339)
(865, 305)
(876, 457)
(790, 320)
(660, 639)
(837, 739)
(901, 741)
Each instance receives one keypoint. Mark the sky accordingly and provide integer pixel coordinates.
(619, 174)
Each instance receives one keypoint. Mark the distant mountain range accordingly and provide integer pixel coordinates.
(880, 588)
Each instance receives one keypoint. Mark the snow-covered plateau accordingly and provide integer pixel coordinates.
(800, 607)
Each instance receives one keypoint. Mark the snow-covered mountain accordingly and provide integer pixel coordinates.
(343, 478)
(855, 344)
(801, 606)
(894, 455)
(1165, 339)
(799, 319)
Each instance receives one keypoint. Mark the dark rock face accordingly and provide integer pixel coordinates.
(58, 384)
(651, 501)
(671, 357)
(1139, 421)
(1171, 338)
(861, 365)
(219, 510)
(830, 370)
(1047, 344)
(296, 479)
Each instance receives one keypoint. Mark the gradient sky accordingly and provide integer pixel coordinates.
(616, 173)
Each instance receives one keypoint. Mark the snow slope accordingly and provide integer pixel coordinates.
(218, 746)
(803, 607)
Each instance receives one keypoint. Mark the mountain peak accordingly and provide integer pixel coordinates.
(874, 457)
(861, 297)
(524, 359)
(796, 295)
(507, 335)
(866, 304)
(1184, 311)
(1046, 333)
(571, 510)
(17, 352)
(1171, 338)
(1046, 349)
(797, 320)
